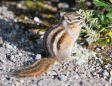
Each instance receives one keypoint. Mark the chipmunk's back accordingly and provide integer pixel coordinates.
(59, 40)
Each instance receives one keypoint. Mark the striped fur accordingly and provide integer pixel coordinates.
(58, 42)
(63, 35)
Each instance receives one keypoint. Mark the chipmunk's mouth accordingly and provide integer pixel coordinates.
(82, 23)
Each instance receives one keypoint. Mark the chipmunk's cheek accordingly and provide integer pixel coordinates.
(82, 24)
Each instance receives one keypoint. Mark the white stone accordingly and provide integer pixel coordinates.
(20, 54)
(8, 45)
(63, 77)
(105, 73)
(22, 81)
(26, 18)
(98, 49)
(41, 32)
(111, 73)
(12, 57)
(63, 5)
(15, 46)
(19, 5)
(108, 65)
(36, 19)
(76, 76)
(94, 73)
(110, 79)
(38, 56)
(52, 72)
(17, 83)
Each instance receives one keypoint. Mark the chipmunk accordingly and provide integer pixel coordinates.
(58, 42)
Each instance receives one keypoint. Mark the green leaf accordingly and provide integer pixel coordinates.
(101, 3)
(102, 42)
(40, 4)
(103, 19)
(109, 15)
(30, 4)
(108, 8)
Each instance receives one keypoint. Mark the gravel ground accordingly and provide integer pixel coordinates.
(17, 51)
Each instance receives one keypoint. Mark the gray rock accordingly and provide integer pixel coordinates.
(16, 27)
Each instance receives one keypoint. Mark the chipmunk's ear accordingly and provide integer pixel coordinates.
(67, 18)
(62, 13)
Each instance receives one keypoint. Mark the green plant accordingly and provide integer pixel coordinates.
(105, 20)
(91, 34)
(98, 28)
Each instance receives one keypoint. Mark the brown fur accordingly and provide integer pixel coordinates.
(64, 42)
(38, 68)
(63, 45)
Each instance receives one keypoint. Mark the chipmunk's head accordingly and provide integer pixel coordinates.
(74, 19)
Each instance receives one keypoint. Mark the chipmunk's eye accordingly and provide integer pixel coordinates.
(68, 19)
(78, 18)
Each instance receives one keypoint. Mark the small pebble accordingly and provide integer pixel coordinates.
(12, 57)
(36, 19)
(51, 72)
(15, 46)
(41, 33)
(110, 79)
(111, 72)
(62, 78)
(38, 56)
(108, 65)
(22, 40)
(17, 27)
(98, 49)
(17, 82)
(11, 24)
(76, 76)
(94, 73)
(13, 32)
(12, 85)
(105, 73)
(8, 45)
(19, 5)
(63, 5)
(20, 54)
(21, 81)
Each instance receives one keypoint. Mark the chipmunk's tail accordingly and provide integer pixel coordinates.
(37, 68)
